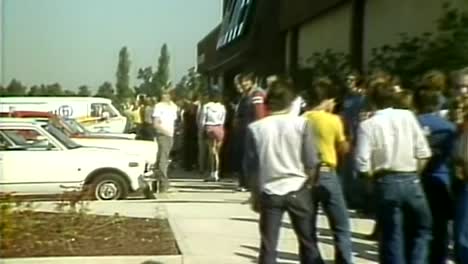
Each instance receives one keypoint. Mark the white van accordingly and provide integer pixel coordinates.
(96, 114)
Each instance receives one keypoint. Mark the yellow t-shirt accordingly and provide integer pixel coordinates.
(136, 117)
(328, 130)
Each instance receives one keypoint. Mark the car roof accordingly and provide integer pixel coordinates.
(27, 114)
(48, 99)
(22, 121)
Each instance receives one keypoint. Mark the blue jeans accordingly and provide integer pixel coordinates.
(405, 219)
(299, 207)
(440, 200)
(461, 225)
(330, 195)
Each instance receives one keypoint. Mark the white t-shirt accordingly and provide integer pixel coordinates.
(213, 114)
(167, 115)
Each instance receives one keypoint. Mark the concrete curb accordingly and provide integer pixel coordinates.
(178, 235)
(177, 259)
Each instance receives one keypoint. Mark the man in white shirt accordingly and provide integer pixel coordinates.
(392, 149)
(164, 117)
(281, 162)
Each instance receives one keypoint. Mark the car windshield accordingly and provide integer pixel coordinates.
(60, 136)
(76, 126)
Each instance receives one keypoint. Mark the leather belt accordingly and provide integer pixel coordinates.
(323, 167)
(382, 173)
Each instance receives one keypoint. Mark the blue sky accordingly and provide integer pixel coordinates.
(76, 42)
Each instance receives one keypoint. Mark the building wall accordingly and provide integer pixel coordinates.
(327, 31)
(386, 19)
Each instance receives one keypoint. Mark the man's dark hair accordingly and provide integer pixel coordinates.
(383, 94)
(280, 96)
(434, 80)
(321, 89)
(358, 78)
(216, 95)
(248, 76)
(426, 98)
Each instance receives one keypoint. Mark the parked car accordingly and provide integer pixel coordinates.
(74, 127)
(149, 149)
(38, 159)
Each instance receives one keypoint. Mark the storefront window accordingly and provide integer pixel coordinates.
(234, 22)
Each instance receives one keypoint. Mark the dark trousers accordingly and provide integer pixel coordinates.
(461, 225)
(147, 132)
(299, 207)
(238, 157)
(439, 199)
(164, 151)
(405, 219)
(330, 195)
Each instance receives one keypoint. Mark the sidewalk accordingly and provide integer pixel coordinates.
(214, 227)
(211, 226)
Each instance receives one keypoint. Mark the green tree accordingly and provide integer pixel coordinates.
(16, 88)
(34, 91)
(444, 49)
(69, 93)
(161, 76)
(145, 75)
(2, 91)
(54, 90)
(123, 78)
(83, 90)
(106, 90)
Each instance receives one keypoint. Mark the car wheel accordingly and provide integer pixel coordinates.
(109, 186)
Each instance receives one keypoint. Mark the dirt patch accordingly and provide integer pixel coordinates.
(38, 234)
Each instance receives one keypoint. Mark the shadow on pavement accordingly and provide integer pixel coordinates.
(206, 187)
(285, 257)
(193, 201)
(361, 250)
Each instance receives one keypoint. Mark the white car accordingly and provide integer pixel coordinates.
(147, 149)
(38, 159)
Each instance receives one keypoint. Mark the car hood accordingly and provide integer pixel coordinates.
(108, 136)
(147, 149)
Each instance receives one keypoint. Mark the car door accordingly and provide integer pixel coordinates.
(33, 163)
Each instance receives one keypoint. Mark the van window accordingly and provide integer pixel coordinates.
(102, 110)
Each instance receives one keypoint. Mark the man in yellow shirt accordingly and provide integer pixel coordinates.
(330, 140)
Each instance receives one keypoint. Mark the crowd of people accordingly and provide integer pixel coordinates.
(405, 149)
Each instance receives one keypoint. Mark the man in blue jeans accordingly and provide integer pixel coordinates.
(330, 140)
(393, 150)
(282, 161)
(436, 177)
